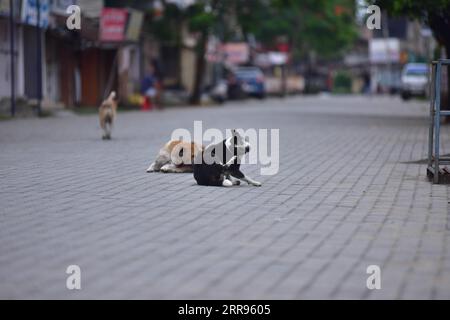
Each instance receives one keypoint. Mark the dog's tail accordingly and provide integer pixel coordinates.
(111, 96)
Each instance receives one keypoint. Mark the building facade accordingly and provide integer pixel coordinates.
(76, 67)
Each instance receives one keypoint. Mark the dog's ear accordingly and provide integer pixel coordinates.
(236, 133)
(238, 139)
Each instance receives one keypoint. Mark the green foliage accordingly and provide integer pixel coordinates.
(200, 20)
(308, 24)
(412, 8)
(342, 82)
(166, 28)
(435, 13)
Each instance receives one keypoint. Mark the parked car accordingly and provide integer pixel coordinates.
(251, 80)
(414, 80)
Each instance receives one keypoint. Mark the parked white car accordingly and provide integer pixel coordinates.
(414, 80)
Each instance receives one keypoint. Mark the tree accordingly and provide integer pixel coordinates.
(435, 13)
(201, 18)
(167, 29)
(325, 27)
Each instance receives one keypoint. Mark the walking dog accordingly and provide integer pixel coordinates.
(107, 114)
(219, 164)
(175, 157)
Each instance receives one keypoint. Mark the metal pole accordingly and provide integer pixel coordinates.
(388, 52)
(39, 57)
(432, 102)
(13, 75)
(112, 75)
(437, 121)
(220, 35)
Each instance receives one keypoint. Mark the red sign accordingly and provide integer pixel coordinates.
(112, 24)
(283, 47)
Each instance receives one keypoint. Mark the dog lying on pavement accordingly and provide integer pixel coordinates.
(219, 164)
(107, 114)
(176, 157)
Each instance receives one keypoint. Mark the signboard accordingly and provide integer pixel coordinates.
(278, 58)
(229, 53)
(384, 50)
(113, 22)
(273, 58)
(30, 12)
(134, 25)
(4, 6)
(60, 6)
(4, 9)
(236, 53)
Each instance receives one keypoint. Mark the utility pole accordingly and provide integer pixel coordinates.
(11, 41)
(388, 51)
(219, 66)
(39, 58)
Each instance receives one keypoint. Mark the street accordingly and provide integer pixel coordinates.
(351, 192)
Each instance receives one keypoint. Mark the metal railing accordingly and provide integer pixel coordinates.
(434, 157)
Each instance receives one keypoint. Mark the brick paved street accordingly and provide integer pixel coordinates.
(350, 193)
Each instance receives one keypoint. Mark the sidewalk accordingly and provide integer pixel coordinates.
(350, 193)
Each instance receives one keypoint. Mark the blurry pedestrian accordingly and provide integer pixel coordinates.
(366, 82)
(148, 89)
(158, 84)
(152, 87)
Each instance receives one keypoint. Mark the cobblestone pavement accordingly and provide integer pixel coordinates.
(351, 192)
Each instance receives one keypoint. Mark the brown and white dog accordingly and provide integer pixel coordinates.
(176, 157)
(107, 114)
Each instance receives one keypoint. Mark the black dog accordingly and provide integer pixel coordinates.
(219, 163)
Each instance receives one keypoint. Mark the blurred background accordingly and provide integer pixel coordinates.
(350, 101)
(157, 53)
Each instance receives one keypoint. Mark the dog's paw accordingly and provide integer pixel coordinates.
(257, 184)
(227, 183)
(166, 168)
